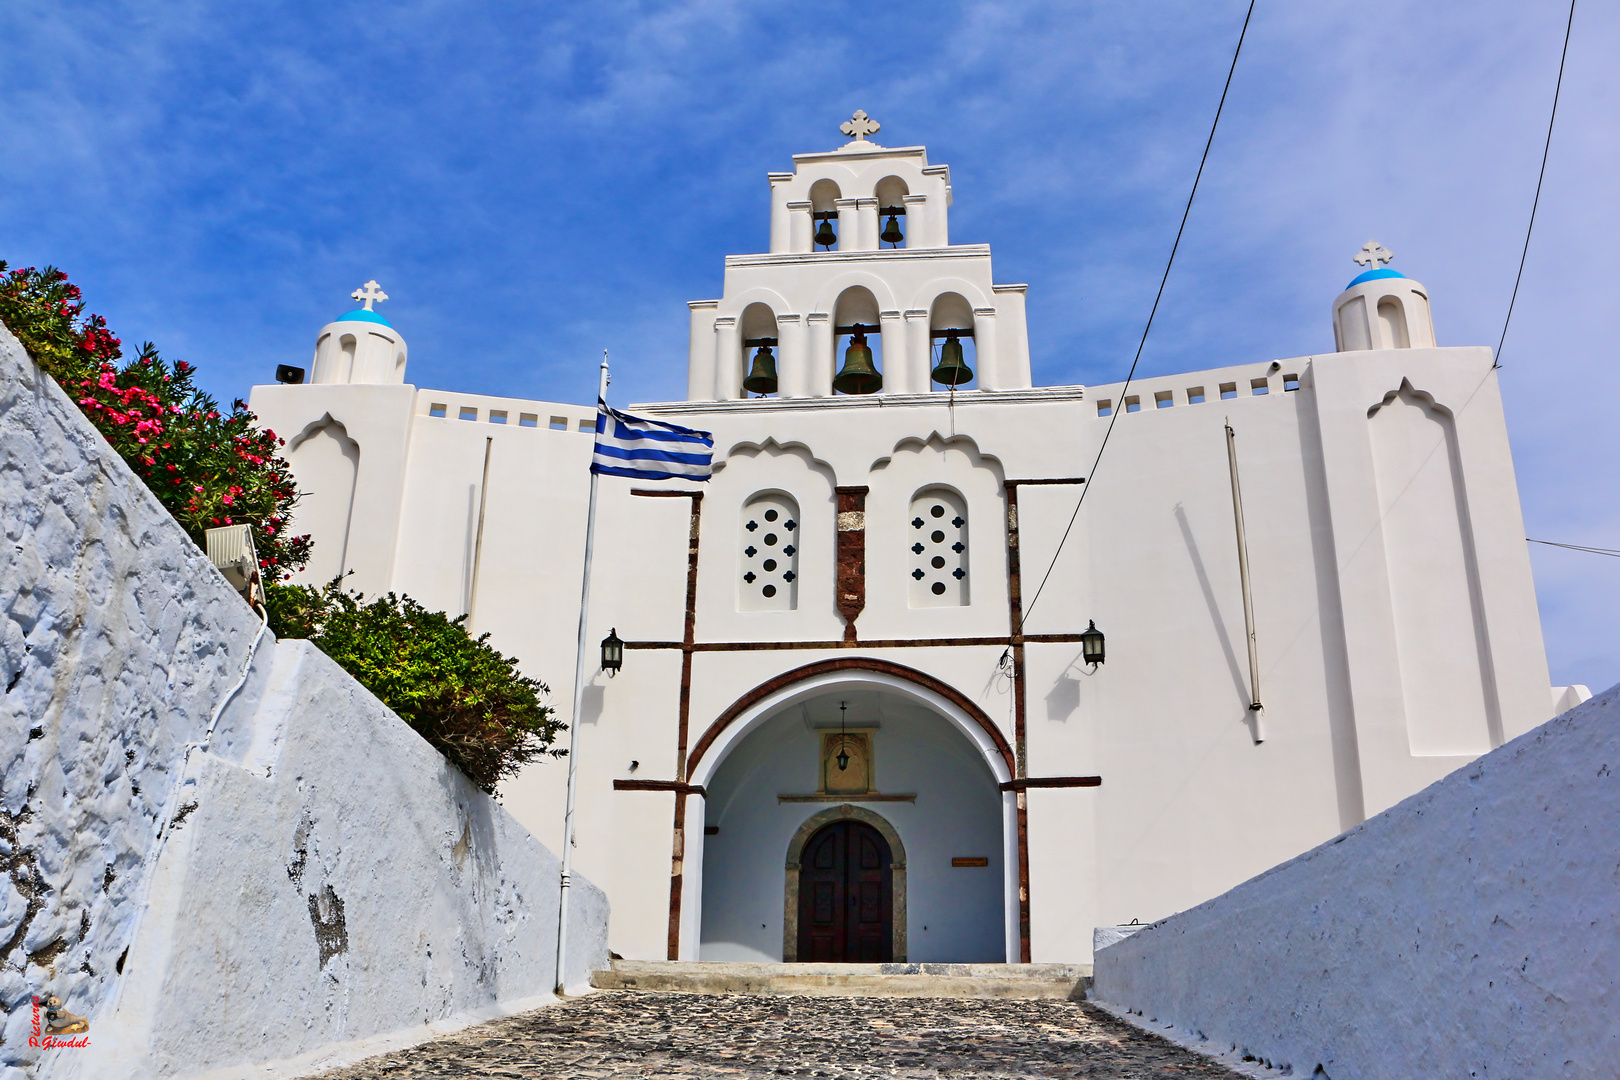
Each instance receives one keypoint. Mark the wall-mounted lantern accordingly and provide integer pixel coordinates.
(1091, 644)
(612, 653)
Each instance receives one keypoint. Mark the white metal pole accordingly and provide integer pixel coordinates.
(1243, 577)
(574, 725)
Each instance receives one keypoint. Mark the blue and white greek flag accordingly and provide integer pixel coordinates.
(644, 449)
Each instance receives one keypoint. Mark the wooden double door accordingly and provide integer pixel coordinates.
(846, 896)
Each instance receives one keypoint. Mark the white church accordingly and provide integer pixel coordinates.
(856, 719)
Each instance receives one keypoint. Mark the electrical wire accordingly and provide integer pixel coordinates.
(1576, 547)
(1119, 406)
(1536, 202)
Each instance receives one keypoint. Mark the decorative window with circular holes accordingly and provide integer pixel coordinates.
(937, 538)
(768, 553)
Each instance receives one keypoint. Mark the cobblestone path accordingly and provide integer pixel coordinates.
(635, 1034)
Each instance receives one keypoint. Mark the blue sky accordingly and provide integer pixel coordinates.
(534, 183)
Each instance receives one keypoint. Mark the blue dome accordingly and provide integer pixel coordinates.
(362, 315)
(1370, 275)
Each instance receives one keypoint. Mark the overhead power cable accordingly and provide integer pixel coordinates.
(1536, 202)
(1577, 547)
(1120, 404)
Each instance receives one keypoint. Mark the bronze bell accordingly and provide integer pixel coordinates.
(762, 376)
(825, 237)
(952, 369)
(858, 375)
(892, 233)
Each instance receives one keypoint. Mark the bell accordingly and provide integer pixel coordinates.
(891, 232)
(952, 369)
(762, 376)
(825, 237)
(858, 375)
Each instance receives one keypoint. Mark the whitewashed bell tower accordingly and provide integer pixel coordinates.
(360, 347)
(859, 247)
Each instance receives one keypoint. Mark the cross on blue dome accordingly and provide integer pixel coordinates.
(1372, 255)
(368, 294)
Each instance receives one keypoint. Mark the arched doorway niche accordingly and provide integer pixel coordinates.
(921, 744)
(813, 825)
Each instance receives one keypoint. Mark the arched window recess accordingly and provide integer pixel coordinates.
(761, 378)
(950, 361)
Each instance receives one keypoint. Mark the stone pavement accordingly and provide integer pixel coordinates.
(614, 1034)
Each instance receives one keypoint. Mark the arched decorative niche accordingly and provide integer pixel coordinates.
(768, 553)
(891, 195)
(347, 345)
(1392, 322)
(1426, 528)
(326, 463)
(937, 528)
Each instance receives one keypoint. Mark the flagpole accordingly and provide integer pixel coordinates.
(579, 698)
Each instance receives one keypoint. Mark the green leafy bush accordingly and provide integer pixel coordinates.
(458, 693)
(207, 467)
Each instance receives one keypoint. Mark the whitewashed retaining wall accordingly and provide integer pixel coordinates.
(1472, 930)
(336, 885)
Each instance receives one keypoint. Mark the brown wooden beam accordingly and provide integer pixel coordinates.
(1052, 782)
(879, 643)
(677, 857)
(680, 787)
(1040, 483)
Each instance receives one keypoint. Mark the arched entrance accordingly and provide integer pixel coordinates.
(845, 894)
(928, 766)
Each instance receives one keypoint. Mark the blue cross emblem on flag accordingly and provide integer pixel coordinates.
(644, 449)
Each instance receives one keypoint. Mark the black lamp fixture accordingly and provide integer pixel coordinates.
(843, 754)
(1091, 644)
(612, 653)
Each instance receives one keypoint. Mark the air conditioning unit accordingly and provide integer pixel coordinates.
(230, 548)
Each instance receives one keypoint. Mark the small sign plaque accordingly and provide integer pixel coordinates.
(974, 860)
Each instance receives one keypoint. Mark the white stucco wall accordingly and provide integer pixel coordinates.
(1471, 930)
(332, 881)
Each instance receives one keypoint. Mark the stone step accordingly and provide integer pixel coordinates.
(1051, 981)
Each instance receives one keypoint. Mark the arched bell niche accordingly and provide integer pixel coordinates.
(760, 358)
(824, 196)
(855, 323)
(891, 195)
(951, 311)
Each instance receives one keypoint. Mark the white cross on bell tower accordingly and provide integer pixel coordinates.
(860, 126)
(1372, 253)
(368, 294)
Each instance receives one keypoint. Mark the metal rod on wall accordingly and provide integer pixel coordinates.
(478, 540)
(1248, 598)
